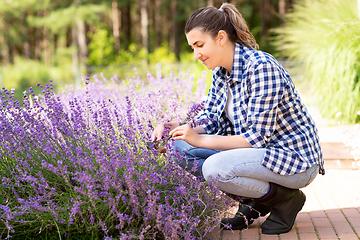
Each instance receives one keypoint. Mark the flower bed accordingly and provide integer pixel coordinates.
(75, 165)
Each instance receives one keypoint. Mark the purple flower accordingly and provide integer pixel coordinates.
(80, 157)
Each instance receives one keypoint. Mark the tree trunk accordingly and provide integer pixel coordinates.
(126, 26)
(282, 9)
(265, 18)
(32, 41)
(26, 50)
(81, 40)
(158, 25)
(116, 26)
(46, 43)
(4, 50)
(56, 44)
(68, 41)
(6, 53)
(79, 45)
(38, 40)
(13, 53)
(176, 30)
(173, 26)
(144, 24)
(26, 44)
(210, 2)
(75, 57)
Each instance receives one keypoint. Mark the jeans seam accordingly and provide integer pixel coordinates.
(243, 186)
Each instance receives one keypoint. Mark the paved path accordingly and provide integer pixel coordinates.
(331, 211)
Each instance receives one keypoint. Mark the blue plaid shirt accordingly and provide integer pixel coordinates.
(268, 112)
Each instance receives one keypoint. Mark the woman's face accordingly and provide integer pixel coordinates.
(206, 49)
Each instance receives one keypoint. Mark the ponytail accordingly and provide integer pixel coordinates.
(228, 19)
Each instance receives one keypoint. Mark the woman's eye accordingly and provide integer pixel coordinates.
(200, 45)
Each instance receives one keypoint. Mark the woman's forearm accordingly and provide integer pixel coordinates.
(222, 142)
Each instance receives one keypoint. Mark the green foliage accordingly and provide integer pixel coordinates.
(27, 73)
(163, 55)
(87, 13)
(63, 57)
(101, 51)
(325, 35)
(134, 55)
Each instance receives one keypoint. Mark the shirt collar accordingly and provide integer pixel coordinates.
(237, 65)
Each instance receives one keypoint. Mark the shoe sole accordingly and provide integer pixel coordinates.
(241, 227)
(299, 206)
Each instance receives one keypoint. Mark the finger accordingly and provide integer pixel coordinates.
(158, 137)
(176, 129)
(176, 133)
(178, 136)
(172, 132)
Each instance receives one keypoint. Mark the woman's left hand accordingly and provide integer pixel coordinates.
(186, 133)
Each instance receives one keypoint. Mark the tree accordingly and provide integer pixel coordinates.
(116, 25)
(144, 24)
(33, 28)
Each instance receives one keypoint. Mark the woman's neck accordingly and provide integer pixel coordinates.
(228, 56)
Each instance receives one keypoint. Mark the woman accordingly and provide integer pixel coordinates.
(262, 143)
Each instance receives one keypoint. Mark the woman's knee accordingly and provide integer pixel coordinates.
(210, 168)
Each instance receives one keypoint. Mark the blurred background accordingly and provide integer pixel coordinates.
(62, 39)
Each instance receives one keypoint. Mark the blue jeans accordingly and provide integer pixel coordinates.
(237, 171)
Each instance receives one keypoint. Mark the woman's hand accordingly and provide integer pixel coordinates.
(158, 132)
(156, 135)
(186, 133)
(217, 142)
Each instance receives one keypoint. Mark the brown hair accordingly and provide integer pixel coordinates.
(226, 18)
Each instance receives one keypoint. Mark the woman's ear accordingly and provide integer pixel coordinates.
(222, 37)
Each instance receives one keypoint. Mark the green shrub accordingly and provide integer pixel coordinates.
(25, 73)
(163, 55)
(325, 36)
(101, 48)
(134, 55)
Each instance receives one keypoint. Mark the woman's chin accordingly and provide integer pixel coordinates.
(209, 67)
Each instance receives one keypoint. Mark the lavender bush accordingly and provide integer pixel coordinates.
(75, 165)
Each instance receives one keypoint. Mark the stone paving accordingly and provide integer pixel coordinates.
(331, 211)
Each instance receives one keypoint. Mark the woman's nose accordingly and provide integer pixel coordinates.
(197, 54)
